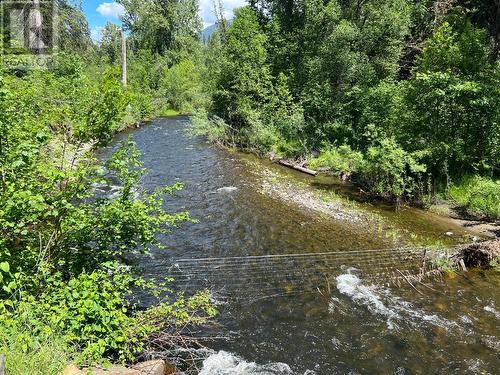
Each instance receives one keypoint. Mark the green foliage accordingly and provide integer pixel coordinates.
(90, 319)
(90, 311)
(340, 160)
(105, 109)
(215, 129)
(479, 195)
(455, 104)
(244, 80)
(412, 88)
(140, 107)
(28, 349)
(110, 45)
(167, 28)
(389, 171)
(182, 87)
(461, 50)
(62, 293)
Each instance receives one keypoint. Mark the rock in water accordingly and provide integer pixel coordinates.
(154, 367)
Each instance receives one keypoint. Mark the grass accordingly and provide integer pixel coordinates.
(479, 196)
(31, 351)
(170, 112)
(338, 160)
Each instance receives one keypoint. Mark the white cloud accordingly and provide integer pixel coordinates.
(111, 10)
(207, 10)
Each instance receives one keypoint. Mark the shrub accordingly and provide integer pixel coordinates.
(141, 106)
(479, 195)
(215, 129)
(182, 87)
(91, 318)
(390, 171)
(340, 160)
(62, 294)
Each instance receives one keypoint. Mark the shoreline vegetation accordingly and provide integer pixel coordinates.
(401, 97)
(451, 205)
(66, 293)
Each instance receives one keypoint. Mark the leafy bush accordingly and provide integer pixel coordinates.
(62, 293)
(91, 312)
(479, 195)
(215, 128)
(140, 106)
(182, 87)
(340, 160)
(389, 171)
(91, 318)
(30, 350)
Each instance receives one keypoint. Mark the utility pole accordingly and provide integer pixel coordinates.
(124, 58)
(34, 29)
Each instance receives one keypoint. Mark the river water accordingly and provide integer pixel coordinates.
(304, 292)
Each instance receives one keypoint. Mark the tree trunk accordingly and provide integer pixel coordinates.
(2, 365)
(298, 168)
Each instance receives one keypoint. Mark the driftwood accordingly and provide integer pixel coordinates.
(298, 167)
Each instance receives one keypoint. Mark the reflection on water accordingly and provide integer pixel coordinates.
(310, 314)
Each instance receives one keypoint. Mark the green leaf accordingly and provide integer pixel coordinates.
(4, 266)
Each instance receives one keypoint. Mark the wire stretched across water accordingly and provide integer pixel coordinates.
(297, 255)
(287, 274)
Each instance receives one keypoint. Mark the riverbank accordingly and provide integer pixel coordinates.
(339, 164)
(484, 252)
(476, 222)
(329, 196)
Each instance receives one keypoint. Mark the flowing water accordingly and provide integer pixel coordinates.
(304, 292)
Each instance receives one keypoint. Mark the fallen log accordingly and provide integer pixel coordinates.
(298, 167)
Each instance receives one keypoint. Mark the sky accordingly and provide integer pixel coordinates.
(99, 12)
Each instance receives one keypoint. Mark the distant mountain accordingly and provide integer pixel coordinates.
(207, 32)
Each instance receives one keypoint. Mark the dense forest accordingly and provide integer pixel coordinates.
(400, 96)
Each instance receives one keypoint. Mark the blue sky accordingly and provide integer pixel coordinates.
(99, 12)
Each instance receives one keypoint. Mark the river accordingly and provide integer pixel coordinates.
(303, 291)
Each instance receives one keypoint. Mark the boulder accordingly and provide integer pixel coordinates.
(155, 367)
(2, 364)
(71, 369)
(114, 370)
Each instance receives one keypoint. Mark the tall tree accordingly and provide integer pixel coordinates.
(110, 45)
(162, 25)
